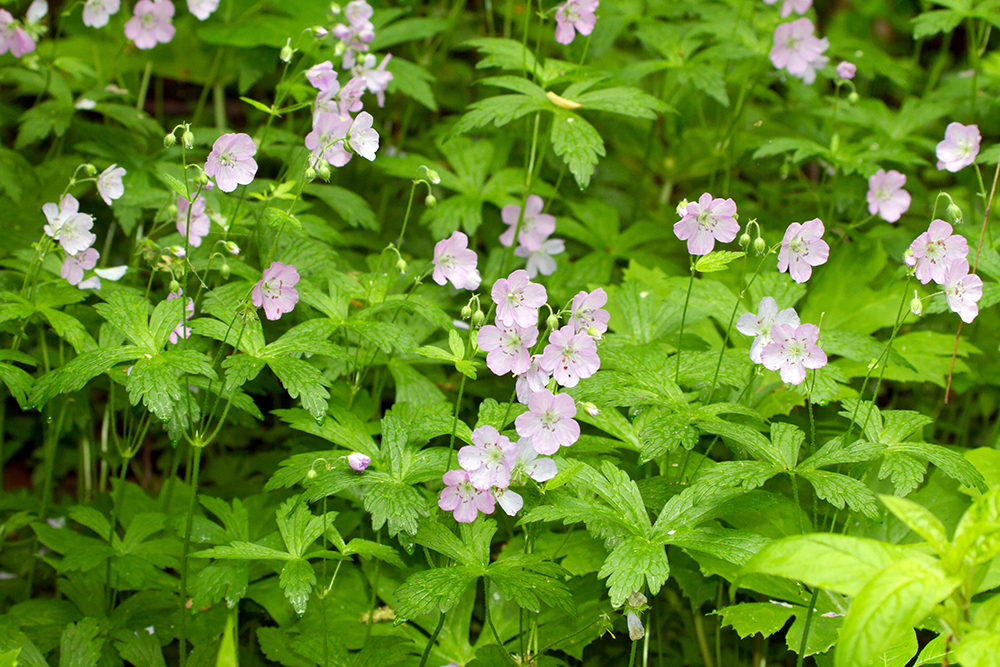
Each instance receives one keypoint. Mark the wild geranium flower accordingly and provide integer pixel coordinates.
(37, 10)
(376, 78)
(529, 463)
(181, 330)
(231, 161)
(575, 16)
(323, 78)
(798, 6)
(570, 356)
(706, 221)
(454, 261)
(97, 13)
(798, 50)
(358, 462)
(510, 501)
(57, 214)
(959, 148)
(462, 497)
(200, 224)
(74, 265)
(362, 138)
(759, 325)
(276, 290)
(549, 422)
(489, 458)
(518, 299)
(507, 347)
(886, 195)
(792, 350)
(202, 9)
(846, 70)
(349, 100)
(540, 256)
(535, 226)
(13, 37)
(532, 380)
(803, 248)
(75, 235)
(963, 290)
(151, 23)
(588, 311)
(109, 183)
(935, 250)
(358, 34)
(327, 138)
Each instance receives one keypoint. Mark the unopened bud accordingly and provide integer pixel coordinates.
(339, 49)
(916, 305)
(478, 318)
(177, 251)
(324, 171)
(682, 208)
(594, 333)
(835, 143)
(232, 248)
(552, 321)
(433, 176)
(909, 258)
(591, 409)
(430, 201)
(201, 179)
(174, 287)
(334, 8)
(759, 246)
(172, 210)
(287, 51)
(319, 31)
(853, 97)
(955, 213)
(744, 240)
(310, 174)
(635, 629)
(311, 474)
(466, 312)
(169, 140)
(401, 265)
(90, 169)
(188, 139)
(224, 269)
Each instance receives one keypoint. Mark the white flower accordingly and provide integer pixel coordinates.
(109, 183)
(362, 138)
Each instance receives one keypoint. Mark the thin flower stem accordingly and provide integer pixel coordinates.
(631, 655)
(454, 422)
(140, 102)
(805, 631)
(680, 335)
(182, 637)
(432, 640)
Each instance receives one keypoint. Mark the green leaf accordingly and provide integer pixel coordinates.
(717, 260)
(499, 110)
(178, 186)
(80, 644)
(433, 535)
(625, 100)
(350, 206)
(635, 562)
(506, 54)
(400, 505)
(438, 589)
(279, 219)
(578, 143)
(979, 648)
(297, 580)
(76, 373)
(787, 440)
(839, 490)
(413, 81)
(140, 648)
(369, 549)
(302, 380)
(18, 383)
(259, 106)
(298, 526)
(529, 589)
(920, 520)
(243, 551)
(931, 23)
(407, 30)
(9, 658)
(756, 617)
(128, 313)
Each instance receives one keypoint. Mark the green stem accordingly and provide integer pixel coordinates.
(489, 618)
(140, 102)
(805, 630)
(631, 655)
(680, 335)
(430, 642)
(454, 422)
(196, 465)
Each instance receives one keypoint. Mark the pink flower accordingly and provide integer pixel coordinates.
(549, 422)
(886, 195)
(358, 34)
(75, 235)
(706, 221)
(761, 324)
(528, 463)
(231, 160)
(846, 70)
(276, 290)
(793, 350)
(935, 250)
(350, 96)
(963, 290)
(74, 265)
(799, 6)
(507, 347)
(57, 215)
(327, 138)
(358, 461)
(959, 148)
(202, 9)
(358, 12)
(532, 380)
(489, 458)
(534, 225)
(798, 50)
(199, 225)
(376, 78)
(181, 331)
(13, 37)
(575, 16)
(362, 138)
(570, 356)
(96, 13)
(323, 78)
(462, 497)
(151, 23)
(803, 248)
(510, 501)
(588, 311)
(517, 299)
(540, 255)
(109, 183)
(454, 261)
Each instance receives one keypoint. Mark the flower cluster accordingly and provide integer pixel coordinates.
(706, 221)
(533, 239)
(941, 256)
(797, 49)
(357, 34)
(781, 343)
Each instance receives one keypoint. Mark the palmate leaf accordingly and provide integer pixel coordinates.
(79, 371)
(400, 505)
(302, 379)
(635, 562)
(529, 589)
(839, 490)
(499, 110)
(80, 644)
(438, 589)
(243, 551)
(577, 143)
(297, 580)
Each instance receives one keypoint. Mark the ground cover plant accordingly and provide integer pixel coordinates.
(446, 333)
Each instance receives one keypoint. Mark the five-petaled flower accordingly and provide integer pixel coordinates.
(454, 261)
(151, 23)
(706, 221)
(935, 250)
(97, 13)
(588, 311)
(798, 50)
(575, 16)
(202, 9)
(74, 265)
(532, 380)
(507, 347)
(803, 248)
(462, 497)
(489, 459)
(362, 137)
(527, 462)
(231, 161)
(199, 224)
(539, 255)
(518, 299)
(886, 195)
(963, 290)
(276, 290)
(570, 356)
(760, 325)
(109, 183)
(959, 147)
(535, 225)
(792, 350)
(328, 136)
(549, 422)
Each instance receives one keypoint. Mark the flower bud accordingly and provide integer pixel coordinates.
(466, 312)
(310, 174)
(358, 461)
(188, 139)
(853, 97)
(759, 246)
(909, 259)
(594, 333)
(401, 265)
(90, 169)
(835, 143)
(954, 214)
(319, 31)
(324, 171)
(224, 269)
(339, 49)
(174, 287)
(232, 248)
(201, 179)
(334, 8)
(172, 210)
(682, 207)
(635, 629)
(744, 240)
(311, 474)
(178, 251)
(287, 51)
(591, 409)
(916, 305)
(433, 176)
(552, 321)
(169, 140)
(478, 318)
(430, 201)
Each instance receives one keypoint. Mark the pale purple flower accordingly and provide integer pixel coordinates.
(151, 23)
(376, 78)
(706, 221)
(507, 347)
(588, 311)
(963, 290)
(358, 34)
(570, 356)
(323, 78)
(327, 138)
(93, 282)
(534, 225)
(803, 248)
(846, 70)
(760, 325)
(276, 290)
(231, 160)
(528, 462)
(358, 461)
(113, 273)
(635, 629)
(202, 9)
(489, 458)
(792, 350)
(886, 195)
(518, 299)
(58, 214)
(358, 12)
(349, 100)
(200, 223)
(454, 261)
(575, 16)
(532, 380)
(510, 501)
(363, 138)
(97, 13)
(74, 265)
(798, 6)
(935, 250)
(959, 148)
(37, 10)
(13, 37)
(549, 422)
(181, 330)
(540, 255)
(109, 183)
(462, 497)
(798, 50)
(75, 235)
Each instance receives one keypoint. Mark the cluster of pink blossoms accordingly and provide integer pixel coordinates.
(71, 228)
(533, 240)
(781, 343)
(941, 256)
(798, 51)
(357, 34)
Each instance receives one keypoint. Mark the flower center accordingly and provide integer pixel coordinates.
(796, 350)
